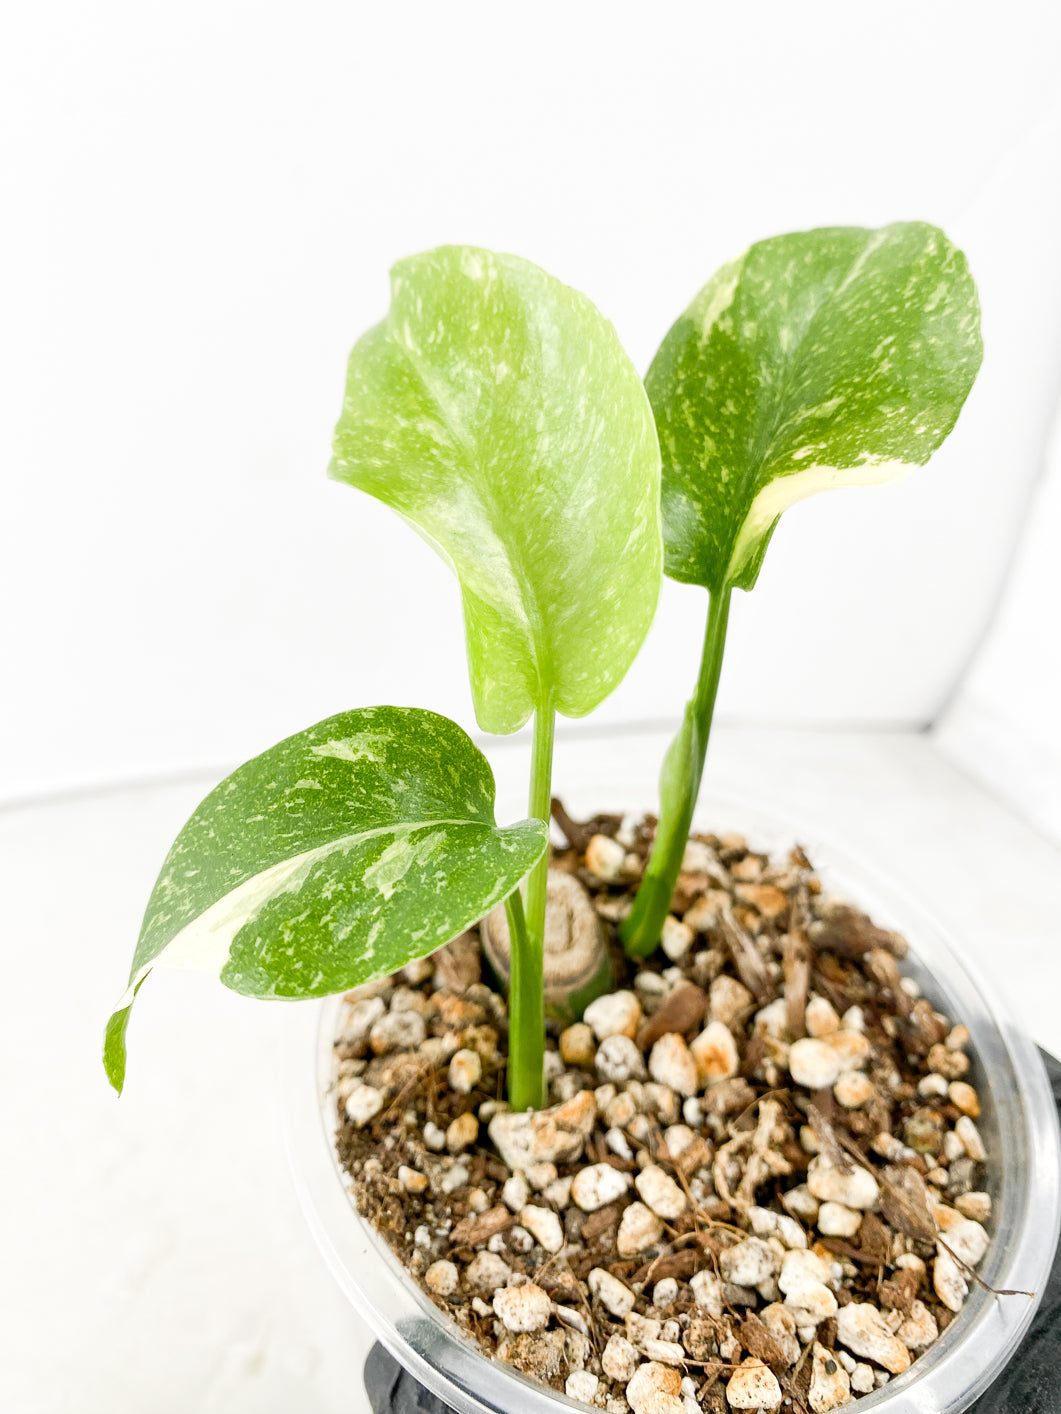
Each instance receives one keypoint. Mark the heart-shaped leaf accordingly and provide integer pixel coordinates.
(335, 857)
(836, 357)
(496, 411)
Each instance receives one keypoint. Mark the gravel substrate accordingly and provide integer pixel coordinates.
(760, 1181)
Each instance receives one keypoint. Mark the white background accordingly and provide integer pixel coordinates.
(201, 205)
(204, 201)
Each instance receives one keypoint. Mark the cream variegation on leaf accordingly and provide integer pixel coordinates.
(332, 859)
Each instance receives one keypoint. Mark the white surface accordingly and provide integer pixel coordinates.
(208, 198)
(154, 1258)
(1003, 724)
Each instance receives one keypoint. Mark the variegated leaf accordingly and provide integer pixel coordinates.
(835, 357)
(335, 857)
(495, 410)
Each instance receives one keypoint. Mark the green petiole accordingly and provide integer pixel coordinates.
(683, 769)
(526, 1065)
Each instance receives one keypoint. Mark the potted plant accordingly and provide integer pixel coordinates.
(616, 1211)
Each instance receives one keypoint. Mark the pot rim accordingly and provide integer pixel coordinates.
(1019, 1120)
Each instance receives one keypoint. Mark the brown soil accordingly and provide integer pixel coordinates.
(774, 931)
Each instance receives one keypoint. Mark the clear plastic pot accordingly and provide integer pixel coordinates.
(1018, 1125)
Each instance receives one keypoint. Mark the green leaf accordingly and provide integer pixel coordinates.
(836, 357)
(495, 410)
(335, 857)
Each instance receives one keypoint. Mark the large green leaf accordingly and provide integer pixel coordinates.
(836, 357)
(495, 410)
(335, 857)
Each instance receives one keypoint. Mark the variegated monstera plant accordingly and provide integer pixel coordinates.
(495, 410)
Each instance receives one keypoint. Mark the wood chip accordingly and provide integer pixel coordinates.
(683, 1009)
(750, 965)
(480, 1227)
(904, 1203)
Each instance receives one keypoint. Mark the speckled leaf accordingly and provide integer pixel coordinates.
(495, 410)
(335, 857)
(836, 357)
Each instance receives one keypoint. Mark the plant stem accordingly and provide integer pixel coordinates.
(526, 1033)
(683, 769)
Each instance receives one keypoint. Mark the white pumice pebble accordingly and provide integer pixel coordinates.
(618, 1143)
(671, 1063)
(620, 1110)
(655, 1388)
(544, 1226)
(801, 1203)
(781, 1323)
(830, 1384)
(523, 1308)
(707, 1291)
(932, 1086)
(598, 1185)
(857, 1188)
(615, 1296)
(953, 1148)
(910, 986)
(749, 1262)
(619, 1060)
(801, 1268)
(619, 1359)
(862, 1328)
(661, 1193)
(753, 1385)
(462, 1132)
(911, 1262)
(766, 1223)
(465, 1071)
(434, 1137)
(968, 1133)
(862, 1381)
(577, 1045)
(963, 1097)
(853, 1019)
(715, 1054)
(853, 1089)
(693, 1112)
(821, 1017)
(639, 1229)
(539, 1176)
(678, 1139)
(360, 1020)
(364, 1105)
(667, 1352)
(581, 1385)
(675, 937)
(664, 1293)
(554, 1135)
(486, 1272)
(968, 1240)
(700, 858)
(836, 1220)
(851, 1048)
(605, 857)
(919, 1329)
(614, 1014)
(811, 1062)
(442, 1278)
(422, 1237)
(412, 1180)
(454, 1178)
(809, 1140)
(514, 1193)
(810, 1305)
(727, 999)
(773, 1019)
(397, 1031)
(559, 1192)
(974, 1205)
(957, 1038)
